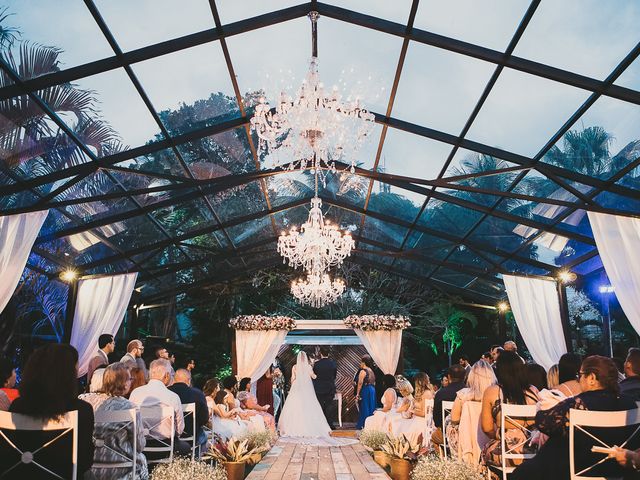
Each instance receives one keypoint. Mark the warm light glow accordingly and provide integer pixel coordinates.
(69, 275)
(606, 289)
(565, 276)
(503, 307)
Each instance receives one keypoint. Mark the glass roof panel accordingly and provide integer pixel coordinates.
(251, 232)
(618, 202)
(603, 141)
(241, 201)
(413, 267)
(428, 245)
(162, 162)
(412, 155)
(218, 155)
(233, 11)
(453, 277)
(498, 233)
(288, 187)
(293, 217)
(542, 108)
(185, 217)
(490, 23)
(448, 217)
(120, 107)
(517, 267)
(464, 256)
(213, 240)
(190, 89)
(384, 232)
(374, 254)
(64, 24)
(439, 89)
(588, 266)
(630, 78)
(588, 37)
(396, 202)
(163, 20)
(467, 162)
(397, 11)
(631, 179)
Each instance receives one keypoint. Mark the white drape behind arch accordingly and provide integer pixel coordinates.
(618, 242)
(536, 308)
(17, 234)
(256, 350)
(100, 307)
(383, 346)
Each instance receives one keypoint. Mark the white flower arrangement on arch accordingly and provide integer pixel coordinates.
(377, 322)
(262, 322)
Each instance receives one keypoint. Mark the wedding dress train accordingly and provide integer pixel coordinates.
(302, 419)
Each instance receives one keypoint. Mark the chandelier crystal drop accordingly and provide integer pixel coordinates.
(318, 245)
(315, 129)
(317, 290)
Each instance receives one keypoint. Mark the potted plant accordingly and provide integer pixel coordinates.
(373, 440)
(259, 443)
(182, 468)
(402, 453)
(432, 467)
(233, 455)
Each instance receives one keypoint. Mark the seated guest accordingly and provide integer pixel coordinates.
(230, 385)
(248, 401)
(48, 389)
(155, 393)
(401, 420)
(117, 437)
(629, 459)
(138, 378)
(481, 377)
(553, 377)
(464, 361)
(455, 376)
(8, 379)
(537, 376)
(210, 390)
(133, 357)
(568, 368)
(513, 388)
(495, 352)
(227, 422)
(486, 356)
(182, 387)
(377, 421)
(423, 391)
(600, 391)
(95, 388)
(106, 346)
(630, 386)
(510, 346)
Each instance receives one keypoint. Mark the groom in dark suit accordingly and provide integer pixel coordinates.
(325, 383)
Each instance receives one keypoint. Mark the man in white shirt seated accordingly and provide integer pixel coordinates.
(156, 393)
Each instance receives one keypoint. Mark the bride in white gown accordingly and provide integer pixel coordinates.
(302, 416)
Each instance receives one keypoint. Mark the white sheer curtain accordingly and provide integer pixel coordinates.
(256, 350)
(536, 308)
(100, 307)
(618, 242)
(17, 234)
(383, 346)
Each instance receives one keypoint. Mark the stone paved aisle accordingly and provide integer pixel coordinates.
(287, 461)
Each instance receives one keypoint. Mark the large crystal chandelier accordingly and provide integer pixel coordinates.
(317, 290)
(319, 245)
(316, 128)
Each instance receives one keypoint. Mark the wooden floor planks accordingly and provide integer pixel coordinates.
(287, 461)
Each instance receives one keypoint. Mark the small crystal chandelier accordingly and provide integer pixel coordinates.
(318, 245)
(317, 290)
(316, 128)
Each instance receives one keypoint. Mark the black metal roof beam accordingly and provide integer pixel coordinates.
(157, 50)
(481, 53)
(474, 246)
(194, 233)
(392, 97)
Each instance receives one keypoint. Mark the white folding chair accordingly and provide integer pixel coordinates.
(152, 418)
(189, 413)
(108, 425)
(338, 397)
(11, 444)
(514, 416)
(428, 421)
(446, 410)
(584, 421)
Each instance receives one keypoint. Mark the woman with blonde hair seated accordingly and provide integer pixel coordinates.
(404, 421)
(424, 390)
(481, 376)
(117, 437)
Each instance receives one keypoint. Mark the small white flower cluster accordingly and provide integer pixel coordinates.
(182, 468)
(377, 322)
(262, 322)
(434, 468)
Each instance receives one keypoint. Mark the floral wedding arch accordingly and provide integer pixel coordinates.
(259, 338)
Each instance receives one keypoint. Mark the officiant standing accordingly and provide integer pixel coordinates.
(326, 371)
